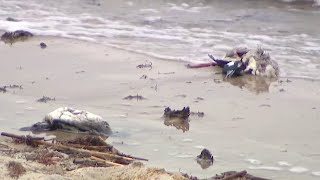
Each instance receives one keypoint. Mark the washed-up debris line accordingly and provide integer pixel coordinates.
(84, 151)
(3, 89)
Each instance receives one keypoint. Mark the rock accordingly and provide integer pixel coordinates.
(43, 45)
(12, 19)
(72, 120)
(205, 159)
(19, 35)
(183, 114)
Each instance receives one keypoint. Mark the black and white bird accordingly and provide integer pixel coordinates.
(240, 61)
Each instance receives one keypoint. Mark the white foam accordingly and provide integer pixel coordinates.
(184, 156)
(149, 10)
(316, 173)
(187, 140)
(199, 147)
(253, 161)
(284, 163)
(29, 108)
(298, 169)
(20, 102)
(270, 168)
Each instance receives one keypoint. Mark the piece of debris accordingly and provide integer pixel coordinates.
(14, 86)
(19, 35)
(217, 81)
(265, 105)
(287, 81)
(166, 73)
(189, 82)
(282, 90)
(137, 97)
(183, 114)
(53, 153)
(200, 98)
(12, 19)
(146, 65)
(143, 77)
(47, 78)
(15, 169)
(45, 99)
(205, 159)
(181, 95)
(45, 156)
(82, 71)
(199, 114)
(3, 89)
(43, 45)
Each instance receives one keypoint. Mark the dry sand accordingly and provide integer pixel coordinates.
(244, 119)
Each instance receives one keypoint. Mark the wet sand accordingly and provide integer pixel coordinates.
(245, 119)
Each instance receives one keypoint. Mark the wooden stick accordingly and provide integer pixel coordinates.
(129, 156)
(102, 155)
(104, 161)
(20, 137)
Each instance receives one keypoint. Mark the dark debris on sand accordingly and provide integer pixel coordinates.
(145, 65)
(184, 113)
(12, 19)
(19, 35)
(15, 169)
(199, 114)
(137, 97)
(45, 99)
(3, 89)
(43, 45)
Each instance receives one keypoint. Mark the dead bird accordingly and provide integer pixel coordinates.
(240, 61)
(205, 159)
(183, 114)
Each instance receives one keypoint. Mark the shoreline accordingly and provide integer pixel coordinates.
(232, 127)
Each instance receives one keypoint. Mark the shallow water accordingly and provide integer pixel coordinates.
(181, 30)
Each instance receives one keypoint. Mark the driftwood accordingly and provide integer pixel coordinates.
(109, 155)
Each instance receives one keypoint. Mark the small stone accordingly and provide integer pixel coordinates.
(43, 45)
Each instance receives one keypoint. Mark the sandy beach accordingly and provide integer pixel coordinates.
(267, 128)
